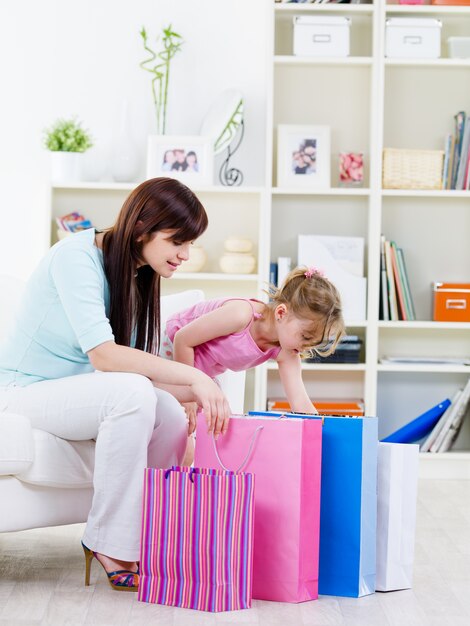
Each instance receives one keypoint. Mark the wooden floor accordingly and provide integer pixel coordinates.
(41, 581)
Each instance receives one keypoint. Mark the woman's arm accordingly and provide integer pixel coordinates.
(168, 375)
(228, 319)
(290, 373)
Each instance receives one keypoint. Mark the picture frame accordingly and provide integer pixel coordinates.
(189, 158)
(303, 156)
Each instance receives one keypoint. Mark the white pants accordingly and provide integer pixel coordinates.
(135, 426)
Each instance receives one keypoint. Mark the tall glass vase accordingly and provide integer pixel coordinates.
(124, 162)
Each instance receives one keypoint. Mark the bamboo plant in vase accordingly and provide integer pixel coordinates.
(67, 140)
(158, 64)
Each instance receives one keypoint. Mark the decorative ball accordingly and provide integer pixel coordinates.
(237, 263)
(235, 244)
(196, 261)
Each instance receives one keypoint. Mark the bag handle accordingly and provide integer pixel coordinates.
(248, 454)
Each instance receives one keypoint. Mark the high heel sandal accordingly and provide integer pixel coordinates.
(120, 580)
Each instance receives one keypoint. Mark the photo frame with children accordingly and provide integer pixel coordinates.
(303, 156)
(187, 158)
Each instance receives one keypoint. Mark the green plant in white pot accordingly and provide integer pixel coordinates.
(67, 140)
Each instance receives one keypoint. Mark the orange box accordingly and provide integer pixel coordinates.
(451, 302)
(456, 3)
(324, 407)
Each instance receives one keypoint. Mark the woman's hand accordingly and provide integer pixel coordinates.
(214, 404)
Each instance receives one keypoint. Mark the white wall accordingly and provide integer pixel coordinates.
(81, 57)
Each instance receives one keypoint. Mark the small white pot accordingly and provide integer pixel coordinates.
(197, 260)
(66, 167)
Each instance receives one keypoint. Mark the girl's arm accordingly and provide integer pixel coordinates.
(186, 383)
(228, 319)
(290, 373)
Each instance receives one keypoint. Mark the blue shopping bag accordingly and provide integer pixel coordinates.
(348, 505)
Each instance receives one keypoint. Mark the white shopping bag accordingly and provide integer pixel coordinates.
(397, 488)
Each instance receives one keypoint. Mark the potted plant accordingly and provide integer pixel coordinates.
(158, 64)
(67, 140)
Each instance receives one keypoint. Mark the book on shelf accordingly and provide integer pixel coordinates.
(447, 150)
(447, 181)
(463, 156)
(420, 426)
(406, 284)
(396, 301)
(273, 273)
(398, 283)
(385, 312)
(459, 122)
(392, 297)
(453, 423)
(73, 222)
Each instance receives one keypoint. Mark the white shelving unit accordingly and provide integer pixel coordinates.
(370, 103)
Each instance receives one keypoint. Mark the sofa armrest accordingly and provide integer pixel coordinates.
(16, 444)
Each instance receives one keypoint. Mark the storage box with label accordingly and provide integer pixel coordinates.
(451, 302)
(321, 36)
(414, 38)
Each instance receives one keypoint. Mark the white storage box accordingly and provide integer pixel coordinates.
(458, 47)
(321, 36)
(413, 38)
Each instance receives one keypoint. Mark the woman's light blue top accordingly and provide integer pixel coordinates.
(63, 315)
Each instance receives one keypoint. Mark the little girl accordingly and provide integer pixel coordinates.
(304, 314)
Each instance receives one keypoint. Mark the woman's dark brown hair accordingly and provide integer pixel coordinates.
(156, 204)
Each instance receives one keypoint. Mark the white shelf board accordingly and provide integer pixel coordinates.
(111, 186)
(445, 465)
(426, 193)
(326, 367)
(364, 9)
(422, 368)
(331, 191)
(287, 59)
(426, 325)
(215, 276)
(417, 10)
(435, 63)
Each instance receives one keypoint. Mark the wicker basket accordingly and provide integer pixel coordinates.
(412, 169)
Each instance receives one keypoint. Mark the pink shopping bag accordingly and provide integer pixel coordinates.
(197, 539)
(285, 457)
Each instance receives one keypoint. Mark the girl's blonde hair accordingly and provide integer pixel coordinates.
(309, 295)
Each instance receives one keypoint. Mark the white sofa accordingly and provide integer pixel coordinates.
(46, 480)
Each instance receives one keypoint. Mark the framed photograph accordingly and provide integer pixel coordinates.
(188, 158)
(303, 156)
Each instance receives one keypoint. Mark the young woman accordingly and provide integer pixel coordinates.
(81, 361)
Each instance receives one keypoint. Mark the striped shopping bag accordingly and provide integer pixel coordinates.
(197, 539)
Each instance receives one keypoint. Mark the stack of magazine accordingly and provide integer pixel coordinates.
(396, 301)
(73, 222)
(456, 171)
(445, 432)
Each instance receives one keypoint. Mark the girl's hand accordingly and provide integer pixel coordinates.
(214, 404)
(191, 414)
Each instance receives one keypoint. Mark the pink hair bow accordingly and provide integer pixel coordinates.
(312, 271)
